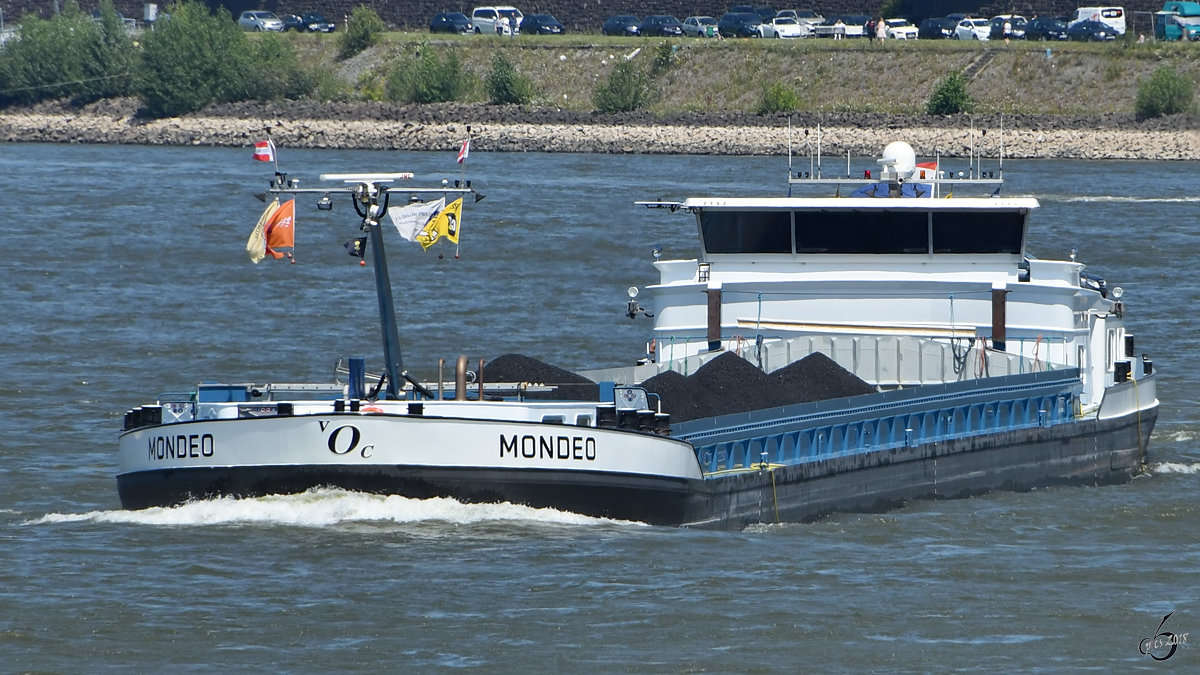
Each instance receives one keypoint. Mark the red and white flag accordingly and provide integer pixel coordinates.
(464, 151)
(264, 151)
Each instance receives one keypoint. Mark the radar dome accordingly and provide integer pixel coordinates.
(900, 156)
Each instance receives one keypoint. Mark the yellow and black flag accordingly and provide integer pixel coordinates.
(445, 225)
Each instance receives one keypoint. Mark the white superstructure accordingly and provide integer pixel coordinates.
(900, 290)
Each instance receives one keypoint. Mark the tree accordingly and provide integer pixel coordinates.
(625, 90)
(194, 59)
(506, 84)
(1166, 92)
(427, 78)
(363, 30)
(67, 56)
(950, 96)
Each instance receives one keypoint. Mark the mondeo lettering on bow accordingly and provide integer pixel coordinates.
(181, 446)
(549, 447)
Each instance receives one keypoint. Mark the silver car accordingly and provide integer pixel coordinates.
(700, 26)
(260, 21)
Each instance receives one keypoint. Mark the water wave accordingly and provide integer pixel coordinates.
(1175, 468)
(1124, 199)
(325, 507)
(1182, 436)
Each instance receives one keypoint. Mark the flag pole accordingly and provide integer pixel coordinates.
(463, 155)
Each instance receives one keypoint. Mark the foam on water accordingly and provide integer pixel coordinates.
(325, 507)
(1124, 199)
(1175, 468)
(1182, 436)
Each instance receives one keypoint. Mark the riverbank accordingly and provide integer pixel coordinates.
(530, 129)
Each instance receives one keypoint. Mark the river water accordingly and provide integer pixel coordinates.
(124, 276)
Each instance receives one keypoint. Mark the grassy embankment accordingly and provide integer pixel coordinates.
(848, 76)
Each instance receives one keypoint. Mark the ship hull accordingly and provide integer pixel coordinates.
(661, 491)
(1089, 452)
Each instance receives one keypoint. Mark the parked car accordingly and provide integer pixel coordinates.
(292, 22)
(937, 28)
(783, 27)
(493, 20)
(973, 29)
(700, 26)
(1016, 27)
(313, 22)
(623, 24)
(900, 29)
(661, 25)
(541, 24)
(451, 22)
(801, 16)
(1091, 31)
(1046, 29)
(744, 24)
(258, 20)
(765, 14)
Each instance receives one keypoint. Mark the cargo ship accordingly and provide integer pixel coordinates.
(819, 354)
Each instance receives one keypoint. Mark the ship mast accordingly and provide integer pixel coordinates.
(370, 193)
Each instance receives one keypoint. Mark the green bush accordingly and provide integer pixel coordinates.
(625, 90)
(506, 84)
(363, 30)
(778, 97)
(193, 59)
(277, 73)
(67, 56)
(1166, 92)
(950, 96)
(664, 57)
(427, 78)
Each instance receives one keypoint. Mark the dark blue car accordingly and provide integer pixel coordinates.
(541, 24)
(622, 24)
(1091, 31)
(661, 25)
(1046, 29)
(451, 22)
(744, 24)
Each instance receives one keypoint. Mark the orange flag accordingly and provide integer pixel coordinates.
(281, 231)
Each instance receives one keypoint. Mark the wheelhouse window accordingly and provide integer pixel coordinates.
(977, 232)
(862, 232)
(746, 231)
(865, 232)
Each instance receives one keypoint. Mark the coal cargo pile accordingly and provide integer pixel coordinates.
(519, 368)
(817, 377)
(681, 397)
(730, 384)
(738, 385)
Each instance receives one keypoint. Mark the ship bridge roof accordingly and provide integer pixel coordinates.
(861, 204)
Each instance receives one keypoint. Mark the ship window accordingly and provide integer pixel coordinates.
(746, 231)
(862, 232)
(977, 232)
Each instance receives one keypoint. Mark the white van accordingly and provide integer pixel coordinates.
(491, 20)
(1111, 16)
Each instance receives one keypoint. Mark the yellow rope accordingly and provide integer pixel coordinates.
(774, 496)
